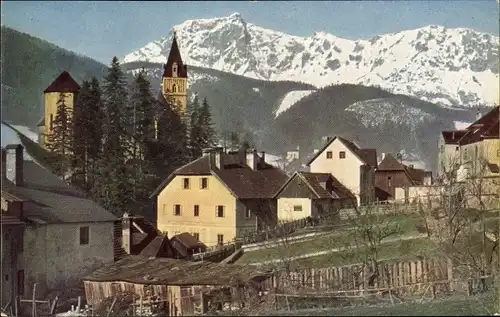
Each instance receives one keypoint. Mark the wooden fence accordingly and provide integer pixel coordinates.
(416, 275)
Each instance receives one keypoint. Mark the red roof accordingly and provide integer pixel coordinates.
(452, 137)
(175, 56)
(63, 83)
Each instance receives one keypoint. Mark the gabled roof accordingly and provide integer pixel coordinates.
(390, 163)
(63, 83)
(367, 156)
(316, 182)
(175, 57)
(484, 127)
(240, 179)
(452, 137)
(48, 199)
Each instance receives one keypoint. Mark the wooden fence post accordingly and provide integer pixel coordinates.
(450, 274)
(33, 309)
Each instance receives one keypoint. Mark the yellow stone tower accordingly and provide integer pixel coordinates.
(174, 81)
(64, 84)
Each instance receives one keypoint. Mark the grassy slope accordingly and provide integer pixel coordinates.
(29, 65)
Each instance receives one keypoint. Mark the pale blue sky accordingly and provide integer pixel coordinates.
(103, 29)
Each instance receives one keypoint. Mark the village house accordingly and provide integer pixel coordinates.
(312, 195)
(11, 233)
(475, 149)
(65, 235)
(350, 165)
(179, 287)
(392, 174)
(64, 84)
(219, 196)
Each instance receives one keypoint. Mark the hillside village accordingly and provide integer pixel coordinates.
(164, 216)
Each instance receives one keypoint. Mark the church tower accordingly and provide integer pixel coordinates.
(64, 85)
(174, 81)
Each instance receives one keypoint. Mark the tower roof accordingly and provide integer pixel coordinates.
(63, 83)
(175, 56)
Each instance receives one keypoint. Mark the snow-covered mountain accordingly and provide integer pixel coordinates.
(450, 67)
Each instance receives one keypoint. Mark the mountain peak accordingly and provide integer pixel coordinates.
(410, 62)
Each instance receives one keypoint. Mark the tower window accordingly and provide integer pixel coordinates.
(174, 88)
(51, 121)
(174, 70)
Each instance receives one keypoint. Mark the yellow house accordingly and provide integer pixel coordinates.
(174, 85)
(311, 195)
(66, 85)
(476, 148)
(219, 197)
(352, 166)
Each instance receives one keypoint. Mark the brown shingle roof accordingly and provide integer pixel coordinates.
(390, 163)
(367, 156)
(317, 183)
(452, 137)
(188, 240)
(175, 56)
(165, 271)
(63, 83)
(243, 182)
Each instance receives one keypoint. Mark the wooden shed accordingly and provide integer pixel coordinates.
(185, 287)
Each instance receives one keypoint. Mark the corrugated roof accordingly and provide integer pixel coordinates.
(165, 271)
(63, 83)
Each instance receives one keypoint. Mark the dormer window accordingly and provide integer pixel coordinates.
(174, 88)
(174, 70)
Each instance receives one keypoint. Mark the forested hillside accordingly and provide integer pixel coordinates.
(29, 65)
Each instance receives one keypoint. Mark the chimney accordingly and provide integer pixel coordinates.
(328, 139)
(411, 166)
(383, 156)
(252, 159)
(262, 159)
(218, 157)
(478, 114)
(126, 233)
(14, 163)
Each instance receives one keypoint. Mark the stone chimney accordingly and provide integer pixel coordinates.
(252, 159)
(478, 114)
(126, 233)
(14, 163)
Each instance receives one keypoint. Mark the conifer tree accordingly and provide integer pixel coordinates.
(195, 129)
(169, 151)
(60, 138)
(87, 133)
(143, 132)
(206, 130)
(113, 184)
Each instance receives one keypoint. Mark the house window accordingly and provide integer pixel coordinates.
(389, 181)
(185, 183)
(297, 208)
(342, 155)
(329, 155)
(204, 183)
(220, 211)
(220, 239)
(84, 235)
(51, 121)
(456, 148)
(20, 282)
(196, 235)
(248, 213)
(196, 210)
(177, 210)
(174, 88)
